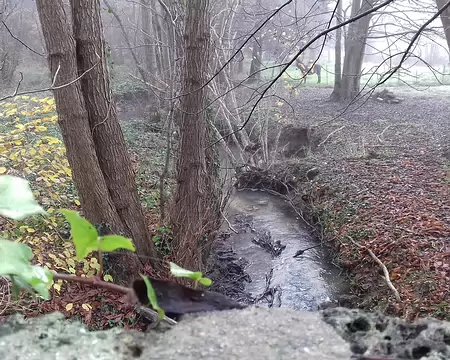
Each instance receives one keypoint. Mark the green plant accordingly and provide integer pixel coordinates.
(163, 239)
(17, 202)
(197, 276)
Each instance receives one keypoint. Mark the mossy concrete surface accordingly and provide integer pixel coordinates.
(252, 333)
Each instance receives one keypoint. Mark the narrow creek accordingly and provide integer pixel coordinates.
(264, 232)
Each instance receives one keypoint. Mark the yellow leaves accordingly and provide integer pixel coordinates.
(86, 307)
(19, 126)
(40, 128)
(77, 202)
(14, 156)
(51, 140)
(69, 307)
(108, 278)
(25, 97)
(2, 170)
(57, 286)
(93, 263)
(47, 109)
(11, 112)
(71, 264)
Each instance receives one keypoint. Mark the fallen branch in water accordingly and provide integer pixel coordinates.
(228, 222)
(383, 267)
(301, 252)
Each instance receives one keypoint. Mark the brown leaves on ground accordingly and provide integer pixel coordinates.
(400, 209)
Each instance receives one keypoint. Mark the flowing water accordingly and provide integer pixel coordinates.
(300, 283)
(280, 280)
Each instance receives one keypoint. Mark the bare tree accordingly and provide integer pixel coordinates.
(194, 212)
(355, 44)
(335, 95)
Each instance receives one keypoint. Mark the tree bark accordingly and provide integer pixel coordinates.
(108, 138)
(355, 44)
(194, 212)
(445, 18)
(73, 120)
(338, 54)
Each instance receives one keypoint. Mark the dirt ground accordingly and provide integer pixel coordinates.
(383, 193)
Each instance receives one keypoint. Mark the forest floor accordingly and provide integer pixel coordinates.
(384, 186)
(31, 147)
(383, 183)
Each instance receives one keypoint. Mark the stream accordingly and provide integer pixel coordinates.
(301, 283)
(264, 233)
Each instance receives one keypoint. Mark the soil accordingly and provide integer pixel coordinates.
(382, 185)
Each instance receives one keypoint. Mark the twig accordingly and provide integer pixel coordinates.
(228, 222)
(300, 252)
(17, 87)
(380, 136)
(97, 282)
(329, 135)
(16, 38)
(383, 267)
(51, 88)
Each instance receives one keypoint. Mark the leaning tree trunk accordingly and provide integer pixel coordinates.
(445, 18)
(338, 54)
(105, 128)
(354, 51)
(194, 212)
(73, 120)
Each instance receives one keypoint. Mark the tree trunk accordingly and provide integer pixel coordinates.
(149, 55)
(106, 131)
(160, 51)
(355, 44)
(255, 65)
(338, 54)
(445, 18)
(194, 213)
(73, 120)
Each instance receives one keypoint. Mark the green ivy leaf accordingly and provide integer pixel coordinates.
(197, 276)
(178, 271)
(152, 297)
(15, 265)
(84, 234)
(113, 242)
(205, 281)
(16, 198)
(14, 257)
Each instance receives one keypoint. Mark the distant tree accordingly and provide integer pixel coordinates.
(355, 44)
(335, 95)
(445, 18)
(9, 47)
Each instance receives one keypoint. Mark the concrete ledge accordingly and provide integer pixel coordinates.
(252, 333)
